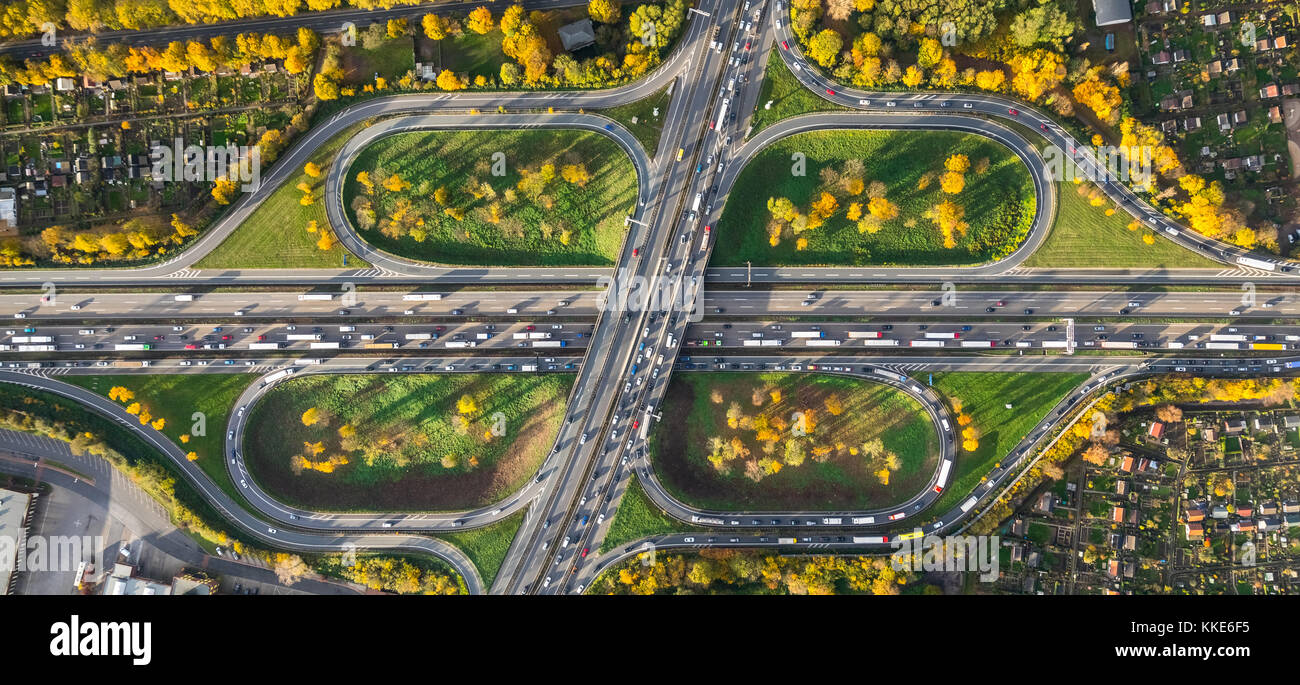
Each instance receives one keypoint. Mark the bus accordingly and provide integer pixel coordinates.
(1257, 263)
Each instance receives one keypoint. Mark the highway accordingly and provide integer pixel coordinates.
(621, 352)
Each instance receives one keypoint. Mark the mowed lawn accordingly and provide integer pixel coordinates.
(680, 445)
(985, 396)
(638, 517)
(529, 229)
(1083, 236)
(648, 126)
(275, 234)
(998, 203)
(176, 398)
(408, 451)
(486, 547)
(788, 97)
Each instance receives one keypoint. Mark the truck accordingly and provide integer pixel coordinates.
(942, 336)
(968, 505)
(1176, 345)
(752, 343)
(695, 206)
(880, 343)
(786, 541)
(722, 114)
(482, 336)
(1055, 343)
(1222, 346)
(645, 427)
(1257, 263)
(978, 343)
(527, 367)
(864, 334)
(303, 336)
(277, 375)
(1227, 338)
(419, 336)
(1267, 346)
(38, 348)
(308, 361)
(183, 298)
(422, 297)
(944, 470)
(832, 521)
(870, 539)
(132, 347)
(816, 342)
(1118, 344)
(347, 329)
(33, 339)
(808, 334)
(863, 520)
(708, 520)
(539, 335)
(520, 336)
(316, 296)
(380, 346)
(772, 342)
(324, 345)
(459, 344)
(926, 343)
(264, 346)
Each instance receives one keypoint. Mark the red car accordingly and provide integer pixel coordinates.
(785, 45)
(191, 346)
(225, 337)
(748, 43)
(584, 551)
(530, 327)
(261, 338)
(636, 251)
(707, 229)
(1014, 112)
(829, 91)
(636, 424)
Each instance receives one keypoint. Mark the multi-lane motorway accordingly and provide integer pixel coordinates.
(318, 321)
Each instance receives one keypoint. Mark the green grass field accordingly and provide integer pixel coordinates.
(275, 234)
(788, 97)
(998, 203)
(638, 517)
(175, 398)
(529, 229)
(648, 126)
(838, 479)
(408, 451)
(487, 546)
(984, 397)
(1083, 236)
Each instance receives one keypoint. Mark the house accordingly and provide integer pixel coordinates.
(1275, 114)
(1234, 426)
(8, 208)
(63, 84)
(1232, 66)
(1045, 503)
(1121, 487)
(1209, 21)
(1269, 523)
(1170, 127)
(1117, 514)
(1110, 12)
(1290, 89)
(116, 85)
(1263, 423)
(1181, 55)
(1112, 568)
(1195, 513)
(1127, 465)
(577, 35)
(58, 181)
(1243, 526)
(1269, 91)
(1130, 543)
(1224, 122)
(1245, 511)
(1214, 68)
(1291, 421)
(1169, 103)
(1291, 507)
(1219, 511)
(1192, 124)
(1291, 520)
(1194, 531)
(1268, 509)
(1255, 163)
(1130, 568)
(1161, 57)
(1157, 429)
(1239, 118)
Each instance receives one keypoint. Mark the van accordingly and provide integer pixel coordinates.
(1134, 303)
(347, 329)
(512, 310)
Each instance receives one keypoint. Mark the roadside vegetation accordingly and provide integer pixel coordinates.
(435, 196)
(487, 546)
(404, 575)
(370, 442)
(995, 411)
(752, 572)
(788, 97)
(791, 441)
(637, 517)
(648, 126)
(877, 197)
(169, 402)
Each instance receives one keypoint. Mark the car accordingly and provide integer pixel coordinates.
(585, 550)
(967, 105)
(989, 309)
(785, 45)
(1014, 112)
(636, 252)
(891, 103)
(1028, 311)
(585, 436)
(688, 540)
(829, 91)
